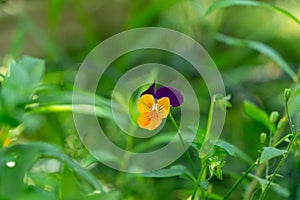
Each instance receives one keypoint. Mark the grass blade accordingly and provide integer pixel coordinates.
(262, 48)
(229, 3)
(78, 108)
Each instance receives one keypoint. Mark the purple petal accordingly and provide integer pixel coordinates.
(175, 96)
(150, 90)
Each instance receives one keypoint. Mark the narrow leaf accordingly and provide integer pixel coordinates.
(28, 154)
(257, 114)
(175, 170)
(68, 184)
(155, 141)
(81, 108)
(229, 3)
(262, 48)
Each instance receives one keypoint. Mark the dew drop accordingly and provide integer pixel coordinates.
(11, 164)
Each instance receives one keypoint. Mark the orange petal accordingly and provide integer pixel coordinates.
(149, 120)
(163, 107)
(144, 119)
(145, 103)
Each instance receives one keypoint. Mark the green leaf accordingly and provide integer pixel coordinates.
(17, 88)
(233, 150)
(204, 184)
(257, 114)
(47, 150)
(34, 67)
(105, 196)
(42, 177)
(55, 9)
(51, 100)
(19, 38)
(24, 156)
(294, 106)
(175, 170)
(227, 147)
(155, 141)
(13, 166)
(215, 166)
(218, 172)
(50, 96)
(36, 193)
(298, 121)
(270, 152)
(81, 108)
(262, 48)
(282, 191)
(263, 182)
(68, 186)
(149, 12)
(228, 3)
(24, 78)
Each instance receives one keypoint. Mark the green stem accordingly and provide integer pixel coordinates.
(263, 194)
(203, 169)
(186, 153)
(239, 181)
(202, 174)
(289, 118)
(282, 139)
(126, 156)
(210, 118)
(270, 144)
(295, 135)
(258, 172)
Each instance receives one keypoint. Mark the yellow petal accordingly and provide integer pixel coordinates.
(163, 107)
(145, 103)
(149, 120)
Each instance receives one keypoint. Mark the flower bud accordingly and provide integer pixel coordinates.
(281, 123)
(287, 94)
(263, 137)
(274, 117)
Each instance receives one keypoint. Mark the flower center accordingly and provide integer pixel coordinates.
(155, 107)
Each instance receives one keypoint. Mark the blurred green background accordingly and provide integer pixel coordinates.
(64, 32)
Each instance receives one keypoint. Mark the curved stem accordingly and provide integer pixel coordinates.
(186, 153)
